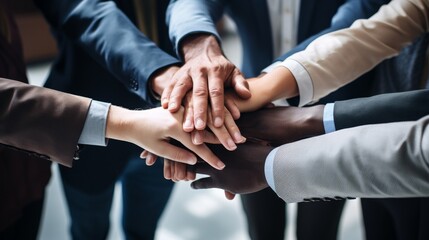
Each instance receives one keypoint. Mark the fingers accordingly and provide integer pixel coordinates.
(182, 86)
(200, 96)
(151, 159)
(188, 116)
(166, 95)
(240, 85)
(204, 168)
(200, 137)
(216, 93)
(204, 153)
(179, 172)
(167, 150)
(223, 135)
(233, 129)
(229, 195)
(232, 107)
(203, 183)
(167, 169)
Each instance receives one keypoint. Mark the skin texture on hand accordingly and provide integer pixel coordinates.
(274, 126)
(281, 125)
(161, 78)
(206, 73)
(244, 171)
(153, 129)
(266, 88)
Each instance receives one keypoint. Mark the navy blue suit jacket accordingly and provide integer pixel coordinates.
(101, 50)
(105, 57)
(253, 23)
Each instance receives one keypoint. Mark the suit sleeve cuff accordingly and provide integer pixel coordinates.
(303, 79)
(268, 169)
(328, 118)
(94, 129)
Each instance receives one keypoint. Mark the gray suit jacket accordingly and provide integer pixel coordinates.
(377, 161)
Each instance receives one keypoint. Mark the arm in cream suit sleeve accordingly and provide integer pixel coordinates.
(44, 122)
(338, 58)
(376, 161)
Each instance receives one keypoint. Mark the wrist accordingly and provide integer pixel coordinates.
(279, 84)
(119, 122)
(161, 79)
(314, 120)
(196, 44)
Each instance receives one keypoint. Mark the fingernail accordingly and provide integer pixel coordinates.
(221, 165)
(218, 122)
(187, 124)
(198, 139)
(172, 106)
(238, 138)
(199, 124)
(231, 144)
(164, 102)
(192, 161)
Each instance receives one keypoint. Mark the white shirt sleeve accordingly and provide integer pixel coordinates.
(303, 79)
(94, 129)
(268, 168)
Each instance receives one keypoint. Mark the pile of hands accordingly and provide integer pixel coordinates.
(215, 122)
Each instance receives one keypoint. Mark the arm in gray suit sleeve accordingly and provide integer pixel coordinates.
(376, 161)
(193, 16)
(383, 108)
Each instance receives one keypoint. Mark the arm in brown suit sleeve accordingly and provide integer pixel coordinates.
(45, 122)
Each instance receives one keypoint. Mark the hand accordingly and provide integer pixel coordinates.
(228, 134)
(206, 72)
(161, 78)
(281, 125)
(244, 171)
(152, 129)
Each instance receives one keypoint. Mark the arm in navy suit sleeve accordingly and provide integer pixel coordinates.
(110, 38)
(193, 16)
(349, 12)
(383, 108)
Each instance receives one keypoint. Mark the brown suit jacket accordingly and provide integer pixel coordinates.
(43, 122)
(38, 120)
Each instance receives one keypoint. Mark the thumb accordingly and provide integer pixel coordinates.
(240, 85)
(203, 183)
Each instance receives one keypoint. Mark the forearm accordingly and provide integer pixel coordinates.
(338, 58)
(99, 27)
(376, 161)
(383, 108)
(41, 120)
(192, 17)
(267, 88)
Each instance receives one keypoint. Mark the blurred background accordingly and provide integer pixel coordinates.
(190, 214)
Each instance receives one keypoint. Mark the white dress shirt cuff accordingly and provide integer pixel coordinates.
(268, 169)
(94, 129)
(328, 118)
(303, 79)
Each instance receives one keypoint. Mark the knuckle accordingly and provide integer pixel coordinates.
(200, 92)
(216, 92)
